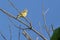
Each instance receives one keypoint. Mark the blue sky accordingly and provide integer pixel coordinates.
(34, 13)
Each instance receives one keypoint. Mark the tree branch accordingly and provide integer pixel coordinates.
(19, 34)
(26, 35)
(52, 27)
(39, 34)
(22, 23)
(10, 32)
(43, 14)
(13, 6)
(5, 12)
(3, 36)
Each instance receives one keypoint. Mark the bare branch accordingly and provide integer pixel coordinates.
(40, 27)
(17, 9)
(13, 6)
(27, 35)
(46, 11)
(13, 17)
(30, 25)
(26, 19)
(15, 25)
(52, 27)
(0, 14)
(3, 36)
(10, 32)
(22, 23)
(37, 38)
(45, 25)
(39, 34)
(19, 34)
(32, 30)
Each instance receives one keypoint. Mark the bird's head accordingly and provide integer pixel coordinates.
(25, 10)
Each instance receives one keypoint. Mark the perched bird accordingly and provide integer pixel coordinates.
(22, 14)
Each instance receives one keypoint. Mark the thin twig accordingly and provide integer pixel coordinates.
(0, 14)
(52, 27)
(45, 25)
(19, 34)
(29, 21)
(3, 36)
(39, 34)
(37, 38)
(15, 25)
(26, 35)
(26, 19)
(46, 11)
(10, 32)
(13, 6)
(40, 27)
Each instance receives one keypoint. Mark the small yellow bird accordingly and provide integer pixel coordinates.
(22, 14)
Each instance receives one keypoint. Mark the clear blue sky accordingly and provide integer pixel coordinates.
(34, 13)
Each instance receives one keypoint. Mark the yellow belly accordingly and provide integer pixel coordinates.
(22, 14)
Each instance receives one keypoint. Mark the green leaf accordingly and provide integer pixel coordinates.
(56, 34)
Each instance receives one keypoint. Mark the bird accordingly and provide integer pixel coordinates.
(22, 14)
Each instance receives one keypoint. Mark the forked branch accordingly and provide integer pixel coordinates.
(23, 23)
